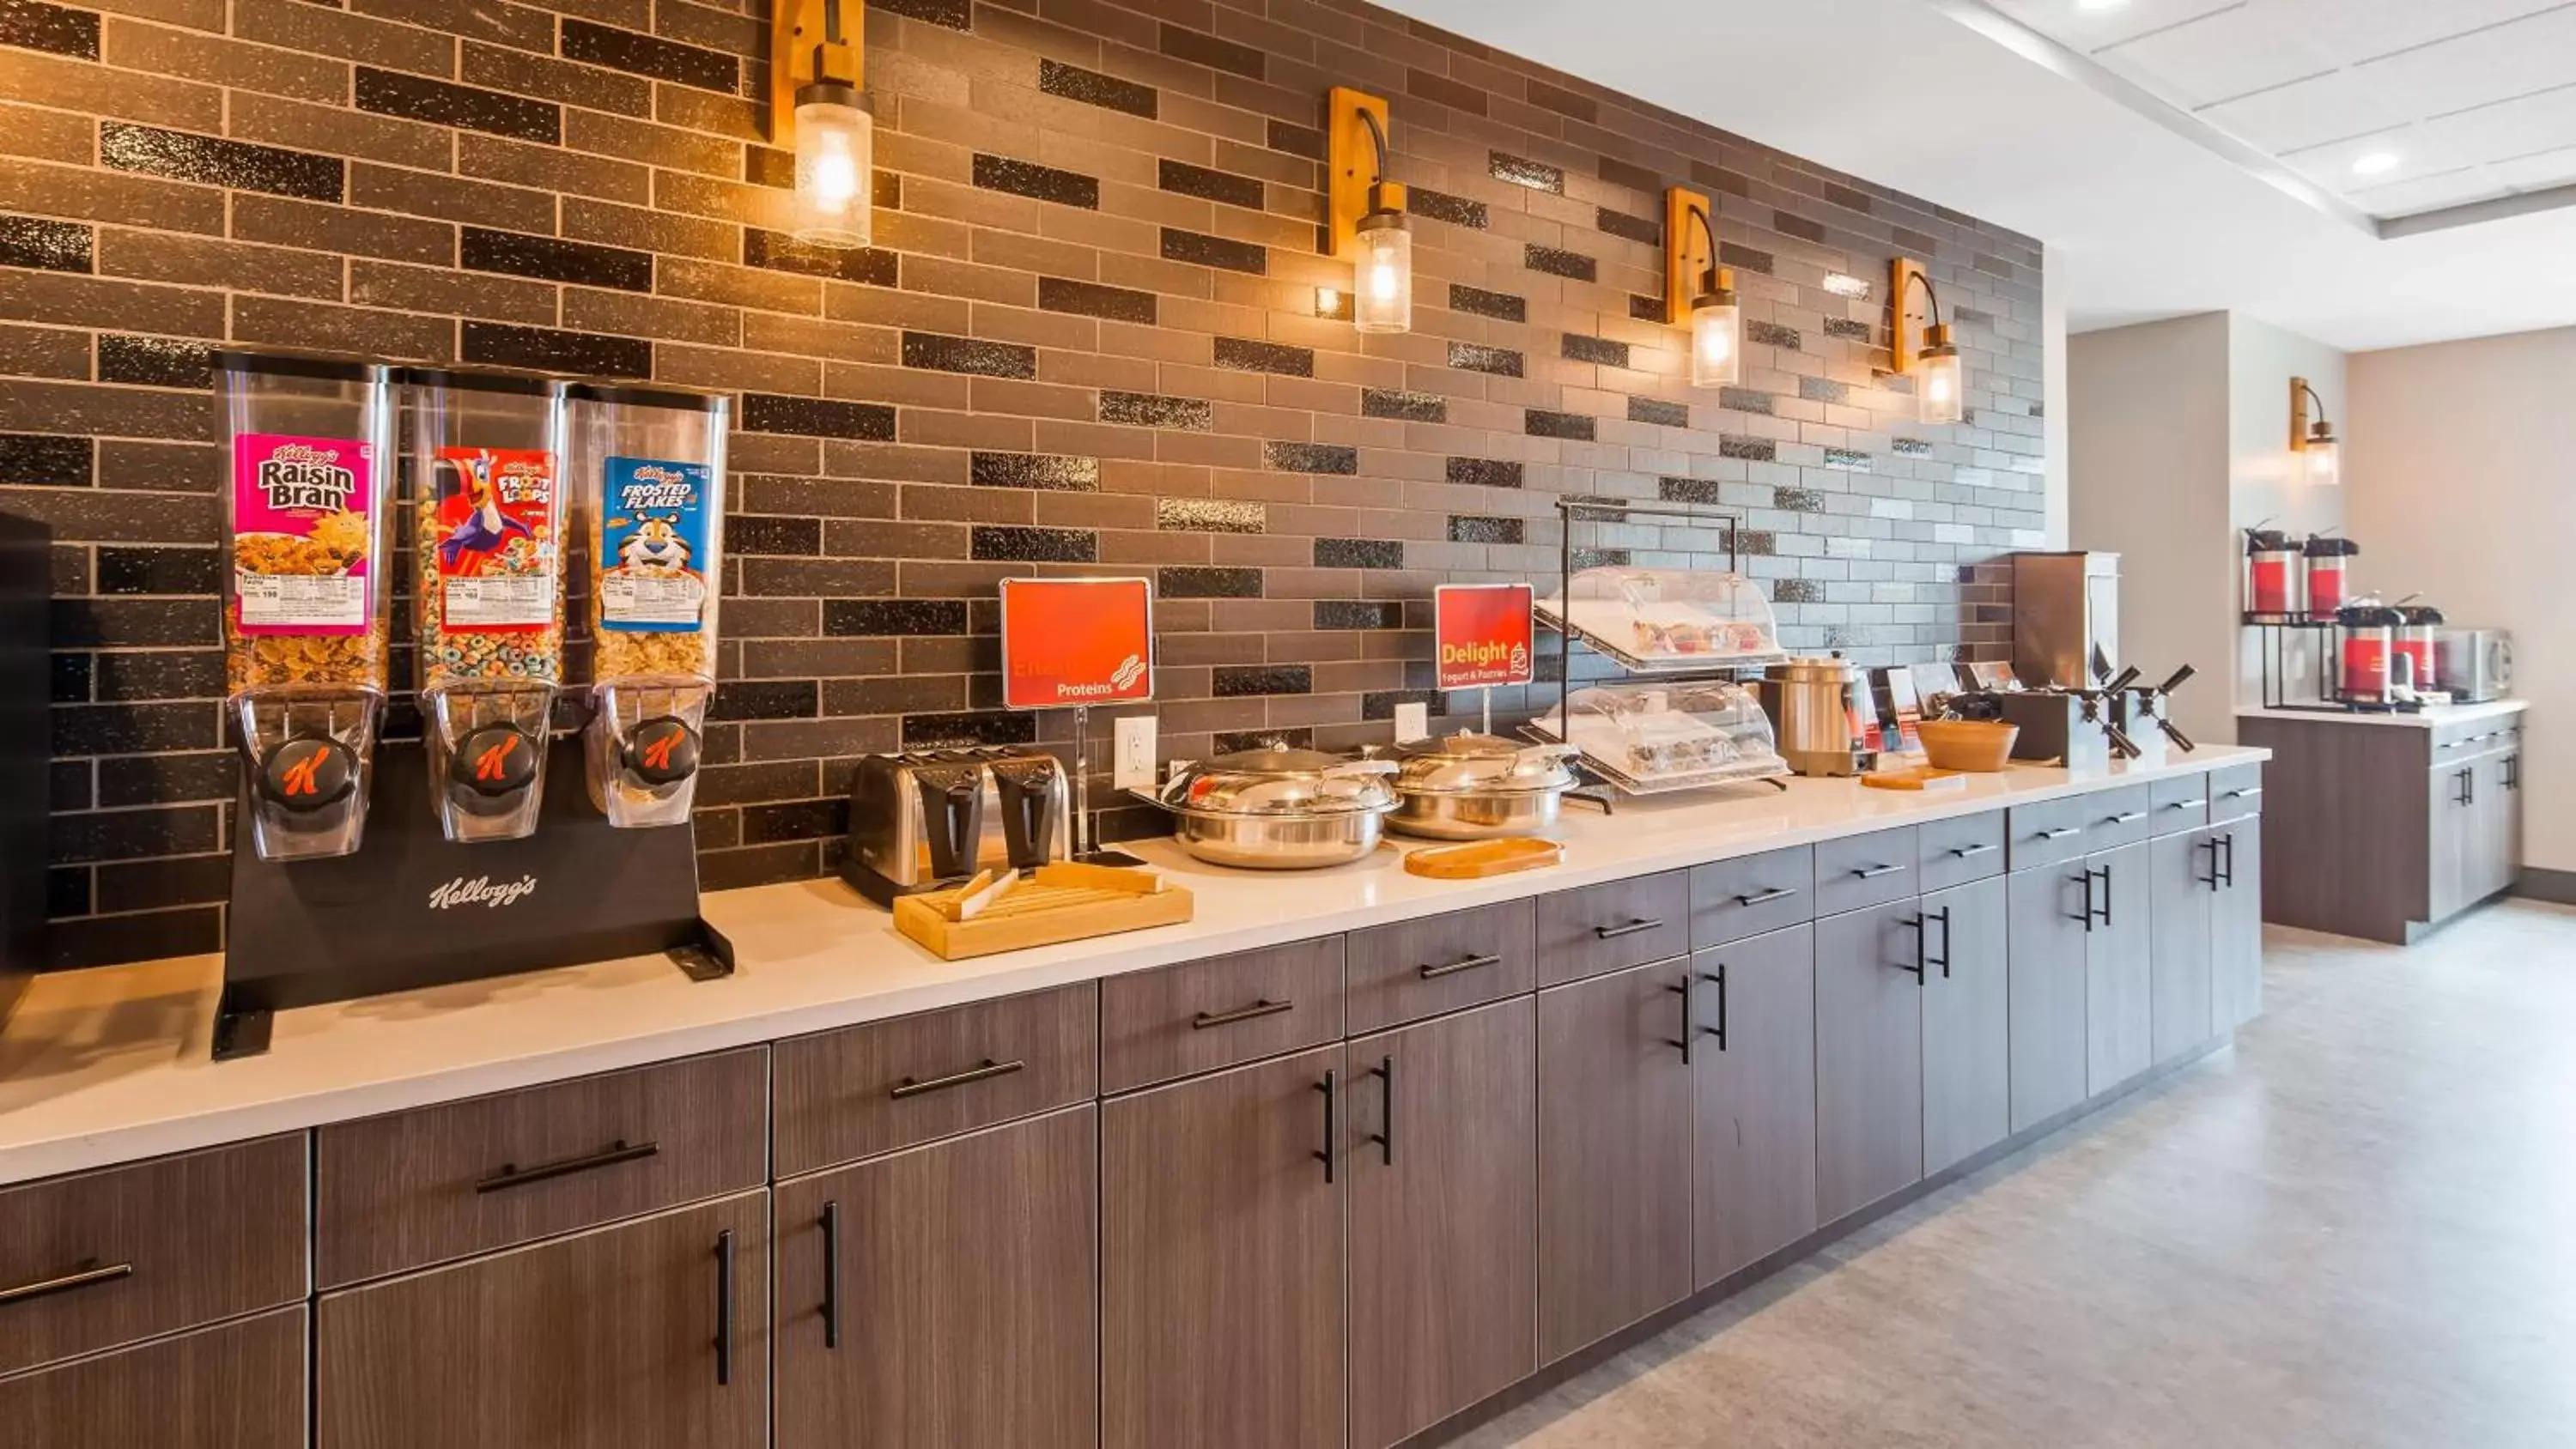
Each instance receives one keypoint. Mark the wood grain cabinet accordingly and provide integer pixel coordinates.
(1869, 1056)
(650, 1335)
(2048, 911)
(2119, 970)
(944, 1296)
(1754, 1101)
(1967, 1023)
(1222, 1259)
(238, 1386)
(1614, 1152)
(1442, 1176)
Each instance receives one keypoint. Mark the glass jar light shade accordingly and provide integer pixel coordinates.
(835, 147)
(1382, 290)
(1717, 344)
(1943, 385)
(2324, 461)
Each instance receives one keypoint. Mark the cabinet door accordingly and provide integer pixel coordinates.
(2236, 927)
(1869, 1056)
(2179, 902)
(1967, 1025)
(2046, 952)
(1755, 1070)
(1614, 1153)
(903, 1281)
(2499, 808)
(2451, 811)
(650, 1335)
(2119, 977)
(1221, 1259)
(240, 1386)
(1443, 1217)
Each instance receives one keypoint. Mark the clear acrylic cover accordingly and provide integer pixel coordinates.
(1668, 619)
(1647, 738)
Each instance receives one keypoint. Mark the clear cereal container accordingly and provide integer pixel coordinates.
(306, 518)
(488, 527)
(648, 464)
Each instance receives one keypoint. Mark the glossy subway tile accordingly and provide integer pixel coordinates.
(1475, 357)
(1500, 305)
(650, 55)
(1092, 88)
(553, 260)
(1200, 582)
(1038, 471)
(547, 349)
(1485, 473)
(1597, 350)
(1042, 183)
(869, 266)
(939, 353)
(1358, 614)
(213, 161)
(154, 361)
(1150, 410)
(1091, 299)
(871, 617)
(817, 417)
(1557, 262)
(1236, 681)
(1359, 553)
(1017, 544)
(52, 246)
(1215, 251)
(1575, 427)
(1209, 185)
(1441, 206)
(1210, 515)
(1520, 171)
(1310, 458)
(1412, 407)
(35, 25)
(1658, 412)
(443, 103)
(1240, 354)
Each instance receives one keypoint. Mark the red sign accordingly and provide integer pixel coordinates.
(1068, 642)
(1483, 633)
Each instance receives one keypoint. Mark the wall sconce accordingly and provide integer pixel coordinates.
(817, 107)
(2315, 442)
(1700, 294)
(1365, 216)
(1936, 363)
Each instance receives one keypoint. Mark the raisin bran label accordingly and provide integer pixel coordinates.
(301, 533)
(652, 539)
(499, 559)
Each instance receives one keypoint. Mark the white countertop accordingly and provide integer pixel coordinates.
(112, 1065)
(2427, 718)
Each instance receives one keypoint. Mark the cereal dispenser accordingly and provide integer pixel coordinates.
(649, 465)
(486, 451)
(305, 600)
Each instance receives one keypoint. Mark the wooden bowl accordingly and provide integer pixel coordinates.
(1979, 746)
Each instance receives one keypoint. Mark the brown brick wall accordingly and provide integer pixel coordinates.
(1088, 341)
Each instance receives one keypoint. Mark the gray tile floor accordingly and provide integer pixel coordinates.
(2356, 1228)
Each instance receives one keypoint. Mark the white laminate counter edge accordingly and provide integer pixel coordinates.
(2432, 717)
(110, 1066)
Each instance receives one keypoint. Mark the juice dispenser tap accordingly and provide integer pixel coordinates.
(488, 561)
(649, 466)
(305, 606)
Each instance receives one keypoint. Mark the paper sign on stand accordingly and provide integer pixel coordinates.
(1484, 638)
(1072, 644)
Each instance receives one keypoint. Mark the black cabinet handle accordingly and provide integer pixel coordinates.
(724, 1308)
(2106, 895)
(1920, 925)
(832, 1274)
(2085, 880)
(1384, 1071)
(1718, 978)
(2132, 817)
(2191, 804)
(512, 1175)
(1331, 1087)
(1684, 991)
(88, 1275)
(2468, 787)
(2061, 834)
(1612, 933)
(1970, 852)
(2216, 877)
(1470, 963)
(2229, 875)
(2247, 793)
(1873, 872)
(983, 1071)
(1943, 961)
(1764, 898)
(2513, 772)
(1263, 1007)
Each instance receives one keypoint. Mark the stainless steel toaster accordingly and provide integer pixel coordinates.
(2475, 665)
(925, 819)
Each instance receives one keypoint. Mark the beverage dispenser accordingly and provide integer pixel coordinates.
(2272, 574)
(486, 450)
(2371, 670)
(2419, 627)
(305, 599)
(649, 464)
(2329, 560)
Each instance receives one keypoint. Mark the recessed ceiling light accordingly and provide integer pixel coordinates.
(2376, 163)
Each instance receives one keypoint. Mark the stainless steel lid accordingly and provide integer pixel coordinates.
(1467, 763)
(1280, 781)
(1813, 671)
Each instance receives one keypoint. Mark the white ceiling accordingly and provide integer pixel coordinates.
(2398, 106)
(2148, 212)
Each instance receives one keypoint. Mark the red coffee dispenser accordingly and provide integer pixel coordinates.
(2329, 573)
(2272, 575)
(2371, 670)
(2417, 626)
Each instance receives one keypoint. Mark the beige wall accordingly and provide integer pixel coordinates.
(2461, 472)
(2266, 481)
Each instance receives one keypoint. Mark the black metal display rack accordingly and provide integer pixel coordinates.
(2277, 630)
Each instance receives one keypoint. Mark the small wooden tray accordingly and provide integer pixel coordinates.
(1054, 903)
(1474, 859)
(1920, 777)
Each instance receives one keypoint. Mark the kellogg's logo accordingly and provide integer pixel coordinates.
(299, 476)
(480, 891)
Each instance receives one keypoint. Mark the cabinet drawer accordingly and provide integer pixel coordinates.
(1196, 1017)
(1415, 969)
(240, 1386)
(415, 1188)
(868, 1089)
(2113, 818)
(2235, 791)
(2179, 804)
(2467, 737)
(1867, 870)
(1735, 900)
(1617, 924)
(1956, 852)
(2046, 833)
(105, 1258)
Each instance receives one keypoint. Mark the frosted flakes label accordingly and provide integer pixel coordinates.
(498, 558)
(653, 523)
(301, 532)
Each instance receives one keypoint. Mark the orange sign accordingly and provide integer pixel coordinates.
(1483, 633)
(1068, 642)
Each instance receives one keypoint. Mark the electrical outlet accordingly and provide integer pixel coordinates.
(1133, 767)
(1412, 721)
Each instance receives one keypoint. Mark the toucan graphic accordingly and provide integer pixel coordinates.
(484, 527)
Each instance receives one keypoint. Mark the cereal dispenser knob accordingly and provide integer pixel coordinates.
(662, 750)
(498, 759)
(308, 773)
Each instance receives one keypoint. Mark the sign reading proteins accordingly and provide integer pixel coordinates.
(1068, 642)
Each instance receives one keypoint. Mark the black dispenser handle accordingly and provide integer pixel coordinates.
(1025, 792)
(952, 815)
